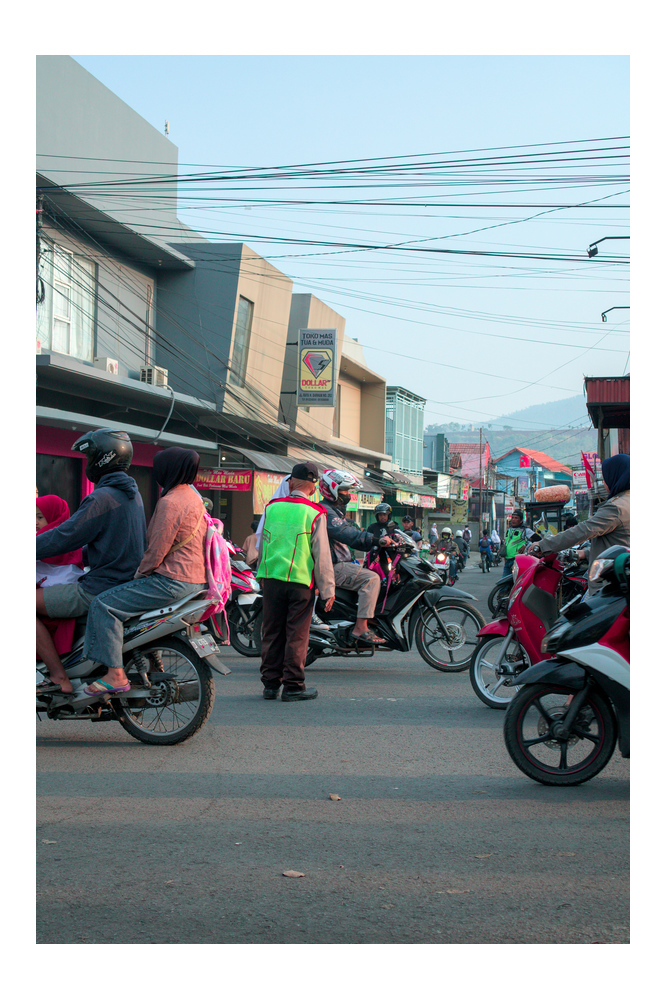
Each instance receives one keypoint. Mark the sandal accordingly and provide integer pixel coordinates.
(98, 687)
(369, 637)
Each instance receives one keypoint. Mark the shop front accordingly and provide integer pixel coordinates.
(231, 492)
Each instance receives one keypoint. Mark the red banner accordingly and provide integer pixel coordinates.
(525, 461)
(220, 478)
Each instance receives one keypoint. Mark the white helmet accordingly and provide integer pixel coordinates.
(333, 479)
(446, 530)
(458, 534)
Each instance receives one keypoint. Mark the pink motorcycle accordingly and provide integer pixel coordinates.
(542, 587)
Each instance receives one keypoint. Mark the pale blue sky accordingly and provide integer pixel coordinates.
(412, 310)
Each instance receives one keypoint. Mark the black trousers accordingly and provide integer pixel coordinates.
(286, 622)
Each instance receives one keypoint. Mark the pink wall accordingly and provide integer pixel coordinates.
(54, 440)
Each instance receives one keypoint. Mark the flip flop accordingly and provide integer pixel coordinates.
(104, 688)
(370, 638)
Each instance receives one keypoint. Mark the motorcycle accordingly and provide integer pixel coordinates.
(563, 726)
(243, 609)
(168, 656)
(511, 642)
(497, 599)
(414, 605)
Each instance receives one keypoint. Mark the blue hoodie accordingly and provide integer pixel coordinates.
(111, 522)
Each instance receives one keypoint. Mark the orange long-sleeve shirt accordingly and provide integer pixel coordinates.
(173, 520)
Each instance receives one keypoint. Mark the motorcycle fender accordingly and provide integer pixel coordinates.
(566, 674)
(433, 596)
(247, 598)
(500, 626)
(217, 664)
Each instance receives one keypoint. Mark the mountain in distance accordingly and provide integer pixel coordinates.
(560, 429)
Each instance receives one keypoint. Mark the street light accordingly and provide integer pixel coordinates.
(592, 249)
(605, 314)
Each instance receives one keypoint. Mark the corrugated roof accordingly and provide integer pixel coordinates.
(604, 391)
(540, 458)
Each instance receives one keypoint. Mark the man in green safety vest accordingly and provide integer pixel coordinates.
(294, 558)
(516, 541)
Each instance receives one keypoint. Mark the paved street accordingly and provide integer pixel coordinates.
(437, 838)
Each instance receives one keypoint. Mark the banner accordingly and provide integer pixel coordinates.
(443, 486)
(265, 485)
(414, 499)
(464, 492)
(525, 461)
(220, 478)
(460, 511)
(316, 381)
(367, 501)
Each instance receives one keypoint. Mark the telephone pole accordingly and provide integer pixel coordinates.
(480, 490)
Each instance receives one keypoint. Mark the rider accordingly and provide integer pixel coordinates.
(446, 544)
(485, 549)
(111, 522)
(461, 544)
(335, 486)
(383, 512)
(408, 527)
(517, 538)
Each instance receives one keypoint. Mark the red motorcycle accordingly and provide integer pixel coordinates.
(542, 587)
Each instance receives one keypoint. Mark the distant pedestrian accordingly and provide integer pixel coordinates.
(433, 534)
(294, 559)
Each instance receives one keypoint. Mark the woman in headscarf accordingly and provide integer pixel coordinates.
(172, 568)
(51, 512)
(610, 525)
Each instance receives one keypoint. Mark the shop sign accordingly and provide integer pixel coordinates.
(443, 486)
(316, 378)
(367, 501)
(414, 499)
(265, 485)
(464, 494)
(460, 511)
(220, 478)
(580, 479)
(508, 508)
(354, 502)
(428, 502)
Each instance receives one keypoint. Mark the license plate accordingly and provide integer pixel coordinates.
(203, 645)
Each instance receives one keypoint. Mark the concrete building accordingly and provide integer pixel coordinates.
(145, 325)
(404, 430)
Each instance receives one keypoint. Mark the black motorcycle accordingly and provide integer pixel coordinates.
(414, 605)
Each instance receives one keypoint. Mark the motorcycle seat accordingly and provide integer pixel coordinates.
(170, 608)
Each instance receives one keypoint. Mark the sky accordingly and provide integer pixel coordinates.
(478, 336)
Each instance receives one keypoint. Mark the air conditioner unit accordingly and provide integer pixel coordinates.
(153, 375)
(109, 364)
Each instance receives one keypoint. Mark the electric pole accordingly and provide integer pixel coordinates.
(480, 490)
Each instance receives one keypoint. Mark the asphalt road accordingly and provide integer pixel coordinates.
(437, 836)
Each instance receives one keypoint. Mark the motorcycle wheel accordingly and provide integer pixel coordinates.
(547, 757)
(243, 635)
(498, 596)
(449, 652)
(176, 708)
(486, 681)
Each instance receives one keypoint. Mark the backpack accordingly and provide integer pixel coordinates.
(218, 568)
(484, 544)
(467, 534)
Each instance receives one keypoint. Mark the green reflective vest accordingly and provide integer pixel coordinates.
(515, 539)
(286, 540)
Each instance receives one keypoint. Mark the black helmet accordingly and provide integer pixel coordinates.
(382, 508)
(106, 451)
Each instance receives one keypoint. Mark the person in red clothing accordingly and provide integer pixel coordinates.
(67, 568)
(172, 568)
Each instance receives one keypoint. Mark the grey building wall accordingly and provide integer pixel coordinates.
(195, 316)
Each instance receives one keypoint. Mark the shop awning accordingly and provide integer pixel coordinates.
(284, 464)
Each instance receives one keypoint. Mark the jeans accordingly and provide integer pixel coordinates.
(508, 567)
(111, 608)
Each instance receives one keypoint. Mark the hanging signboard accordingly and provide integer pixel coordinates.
(464, 494)
(367, 501)
(220, 478)
(460, 511)
(316, 377)
(443, 486)
(265, 485)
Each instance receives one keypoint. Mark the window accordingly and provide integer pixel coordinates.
(242, 332)
(65, 318)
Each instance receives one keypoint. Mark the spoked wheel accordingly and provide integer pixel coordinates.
(497, 601)
(176, 707)
(487, 676)
(242, 630)
(538, 745)
(446, 641)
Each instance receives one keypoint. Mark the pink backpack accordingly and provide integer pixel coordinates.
(218, 568)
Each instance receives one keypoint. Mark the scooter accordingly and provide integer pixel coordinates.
(561, 729)
(167, 656)
(414, 605)
(244, 608)
(510, 643)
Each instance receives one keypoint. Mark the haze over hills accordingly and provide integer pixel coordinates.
(561, 429)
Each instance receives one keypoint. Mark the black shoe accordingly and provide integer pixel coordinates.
(270, 693)
(298, 695)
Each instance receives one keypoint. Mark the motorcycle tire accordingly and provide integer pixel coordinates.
(243, 636)
(174, 709)
(497, 600)
(452, 652)
(486, 681)
(555, 760)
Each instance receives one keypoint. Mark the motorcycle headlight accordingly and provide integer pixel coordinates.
(599, 568)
